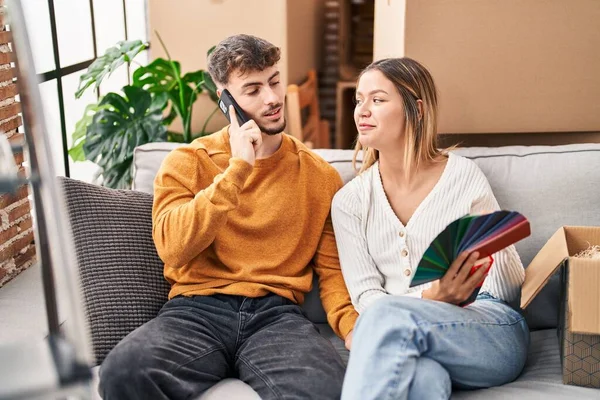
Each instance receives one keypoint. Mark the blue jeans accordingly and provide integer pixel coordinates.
(195, 342)
(409, 348)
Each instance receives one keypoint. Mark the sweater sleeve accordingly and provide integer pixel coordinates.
(185, 222)
(341, 315)
(507, 273)
(363, 278)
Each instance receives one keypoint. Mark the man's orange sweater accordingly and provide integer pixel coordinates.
(223, 226)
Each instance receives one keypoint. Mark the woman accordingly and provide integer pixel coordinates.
(416, 343)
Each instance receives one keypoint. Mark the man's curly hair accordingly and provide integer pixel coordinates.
(244, 53)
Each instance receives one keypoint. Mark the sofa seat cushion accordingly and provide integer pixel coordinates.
(541, 378)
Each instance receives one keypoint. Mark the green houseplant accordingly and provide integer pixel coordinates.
(111, 129)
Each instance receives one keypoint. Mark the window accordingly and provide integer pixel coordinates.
(66, 36)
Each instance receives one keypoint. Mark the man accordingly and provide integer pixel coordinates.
(241, 219)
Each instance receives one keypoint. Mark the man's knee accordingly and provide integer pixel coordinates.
(124, 367)
(317, 370)
(324, 380)
(322, 361)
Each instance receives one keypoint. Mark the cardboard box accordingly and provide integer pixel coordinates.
(579, 322)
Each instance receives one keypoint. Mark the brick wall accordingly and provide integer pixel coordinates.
(17, 249)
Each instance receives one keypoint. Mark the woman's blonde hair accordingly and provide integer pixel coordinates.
(413, 82)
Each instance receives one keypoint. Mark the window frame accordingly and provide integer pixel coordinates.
(59, 72)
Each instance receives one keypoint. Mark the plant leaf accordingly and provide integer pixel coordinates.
(76, 152)
(158, 76)
(201, 80)
(123, 123)
(118, 175)
(165, 76)
(159, 101)
(175, 137)
(194, 78)
(209, 86)
(106, 64)
(78, 136)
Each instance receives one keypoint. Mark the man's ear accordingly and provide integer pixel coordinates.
(219, 92)
(420, 108)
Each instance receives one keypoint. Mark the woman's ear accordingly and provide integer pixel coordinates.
(219, 92)
(420, 108)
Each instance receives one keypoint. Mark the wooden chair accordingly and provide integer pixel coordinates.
(303, 100)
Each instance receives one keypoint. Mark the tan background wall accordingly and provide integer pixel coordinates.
(190, 27)
(502, 65)
(304, 37)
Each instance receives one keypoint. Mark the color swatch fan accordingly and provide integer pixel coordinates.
(486, 234)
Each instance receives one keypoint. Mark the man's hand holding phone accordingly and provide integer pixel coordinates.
(245, 139)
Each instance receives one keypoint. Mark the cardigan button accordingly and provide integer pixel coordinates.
(404, 253)
(407, 272)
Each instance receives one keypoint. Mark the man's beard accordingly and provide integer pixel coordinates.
(278, 129)
(275, 130)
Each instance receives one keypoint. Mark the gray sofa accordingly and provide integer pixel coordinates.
(551, 185)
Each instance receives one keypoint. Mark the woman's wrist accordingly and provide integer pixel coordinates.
(428, 294)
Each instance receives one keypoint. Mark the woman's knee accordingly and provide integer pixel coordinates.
(431, 381)
(389, 306)
(388, 318)
(389, 310)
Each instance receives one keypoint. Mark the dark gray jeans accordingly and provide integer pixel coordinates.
(195, 342)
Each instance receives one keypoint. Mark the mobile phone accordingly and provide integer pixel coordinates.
(227, 100)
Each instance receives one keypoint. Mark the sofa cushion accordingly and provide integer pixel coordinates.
(146, 162)
(148, 158)
(550, 185)
(541, 378)
(121, 273)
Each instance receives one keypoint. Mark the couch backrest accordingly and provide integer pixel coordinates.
(551, 185)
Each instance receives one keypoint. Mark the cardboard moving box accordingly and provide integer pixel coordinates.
(579, 329)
